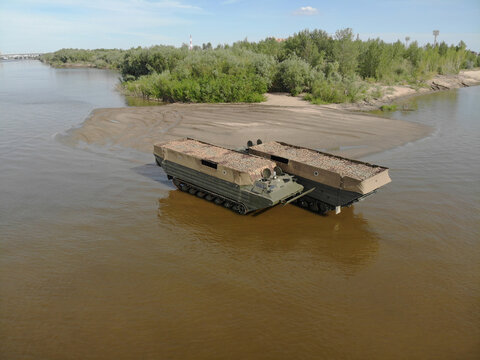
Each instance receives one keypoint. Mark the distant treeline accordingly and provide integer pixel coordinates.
(329, 69)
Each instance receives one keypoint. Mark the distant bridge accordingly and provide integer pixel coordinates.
(19, 56)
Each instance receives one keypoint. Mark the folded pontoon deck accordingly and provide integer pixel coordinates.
(338, 181)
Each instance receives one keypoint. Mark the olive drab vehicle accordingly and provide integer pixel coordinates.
(331, 181)
(241, 182)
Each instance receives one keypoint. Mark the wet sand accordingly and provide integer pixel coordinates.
(340, 132)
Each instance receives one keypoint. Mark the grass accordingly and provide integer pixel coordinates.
(391, 107)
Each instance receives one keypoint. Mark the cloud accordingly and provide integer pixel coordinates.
(306, 10)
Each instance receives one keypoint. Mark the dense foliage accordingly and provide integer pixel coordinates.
(328, 68)
(100, 58)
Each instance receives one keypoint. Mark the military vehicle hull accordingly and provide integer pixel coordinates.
(333, 181)
(205, 182)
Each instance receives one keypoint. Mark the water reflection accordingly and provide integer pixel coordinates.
(153, 172)
(345, 239)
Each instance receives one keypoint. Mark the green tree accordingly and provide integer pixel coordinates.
(346, 51)
(295, 75)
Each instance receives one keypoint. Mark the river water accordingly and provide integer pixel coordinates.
(100, 258)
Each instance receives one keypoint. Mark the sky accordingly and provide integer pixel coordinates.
(47, 25)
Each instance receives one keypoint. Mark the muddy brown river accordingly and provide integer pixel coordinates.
(100, 258)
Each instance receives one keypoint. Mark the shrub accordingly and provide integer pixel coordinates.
(392, 107)
(337, 89)
(294, 75)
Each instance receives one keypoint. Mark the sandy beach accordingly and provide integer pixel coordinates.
(336, 131)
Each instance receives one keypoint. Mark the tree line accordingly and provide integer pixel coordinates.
(327, 68)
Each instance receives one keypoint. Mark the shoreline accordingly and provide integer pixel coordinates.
(391, 93)
(394, 93)
(340, 129)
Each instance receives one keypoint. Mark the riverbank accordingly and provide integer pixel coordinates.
(375, 96)
(236, 88)
(340, 132)
(392, 94)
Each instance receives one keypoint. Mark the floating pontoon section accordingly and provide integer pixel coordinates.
(331, 170)
(238, 181)
(232, 166)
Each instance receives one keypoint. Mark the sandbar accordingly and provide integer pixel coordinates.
(341, 132)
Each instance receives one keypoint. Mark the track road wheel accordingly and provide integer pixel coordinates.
(177, 183)
(218, 201)
(322, 207)
(227, 204)
(209, 197)
(303, 203)
(200, 194)
(240, 209)
(313, 206)
(192, 191)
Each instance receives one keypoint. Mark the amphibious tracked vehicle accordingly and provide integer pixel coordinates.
(332, 181)
(241, 182)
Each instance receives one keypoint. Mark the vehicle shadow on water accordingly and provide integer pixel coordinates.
(345, 239)
(155, 173)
